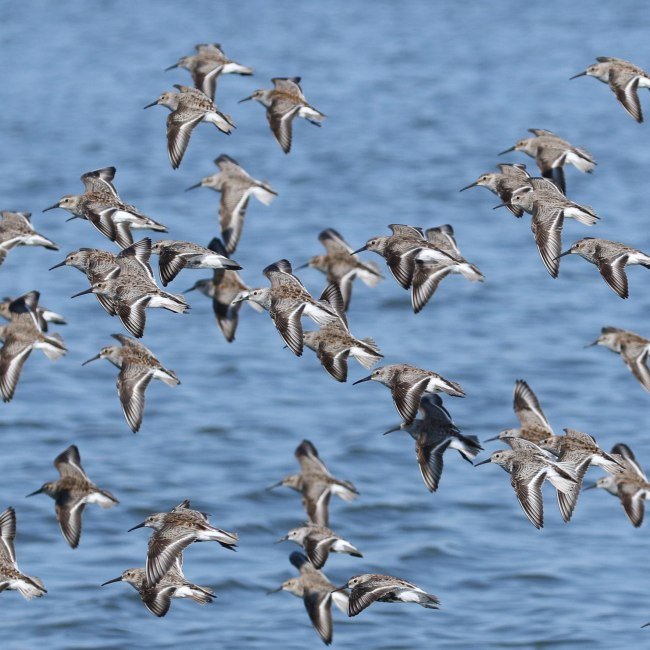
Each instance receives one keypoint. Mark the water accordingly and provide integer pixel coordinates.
(420, 97)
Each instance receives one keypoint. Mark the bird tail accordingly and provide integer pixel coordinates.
(471, 272)
(30, 587)
(52, 346)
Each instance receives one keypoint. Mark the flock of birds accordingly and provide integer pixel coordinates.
(125, 286)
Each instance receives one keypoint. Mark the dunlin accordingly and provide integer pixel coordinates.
(138, 366)
(529, 465)
(533, 424)
(549, 207)
(611, 258)
(43, 314)
(284, 102)
(624, 79)
(287, 301)
(236, 187)
(434, 433)
(316, 484)
(16, 230)
(157, 598)
(130, 294)
(178, 255)
(342, 266)
(10, 575)
(102, 206)
(579, 450)
(551, 154)
(631, 485)
(369, 588)
(224, 288)
(72, 492)
(633, 349)
(207, 65)
(503, 184)
(317, 593)
(318, 542)
(188, 107)
(173, 532)
(22, 335)
(408, 384)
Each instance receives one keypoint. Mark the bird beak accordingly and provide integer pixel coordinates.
(240, 102)
(462, 189)
(592, 344)
(501, 205)
(239, 299)
(72, 218)
(134, 527)
(339, 589)
(563, 254)
(360, 250)
(360, 381)
(590, 487)
(396, 428)
(97, 356)
(190, 289)
(483, 462)
(302, 266)
(31, 494)
(274, 591)
(493, 438)
(193, 187)
(108, 582)
(580, 74)
(171, 67)
(282, 539)
(506, 151)
(82, 293)
(271, 487)
(56, 205)
(152, 104)
(56, 266)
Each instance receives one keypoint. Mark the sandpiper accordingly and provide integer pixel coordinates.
(624, 79)
(369, 588)
(287, 301)
(224, 287)
(130, 294)
(611, 258)
(102, 206)
(207, 65)
(317, 593)
(631, 485)
(284, 102)
(173, 532)
(138, 366)
(578, 450)
(551, 154)
(316, 484)
(529, 465)
(533, 424)
(188, 107)
(236, 187)
(318, 542)
(178, 255)
(157, 599)
(43, 314)
(72, 492)
(428, 274)
(342, 266)
(22, 335)
(334, 343)
(434, 433)
(633, 349)
(408, 384)
(503, 184)
(16, 230)
(10, 575)
(549, 207)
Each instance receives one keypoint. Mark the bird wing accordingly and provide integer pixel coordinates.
(286, 318)
(7, 535)
(318, 604)
(407, 397)
(527, 407)
(180, 124)
(131, 385)
(162, 552)
(613, 271)
(68, 463)
(635, 356)
(68, 509)
(528, 489)
(13, 355)
(546, 224)
(625, 86)
(232, 211)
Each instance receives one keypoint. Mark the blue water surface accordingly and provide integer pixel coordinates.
(420, 96)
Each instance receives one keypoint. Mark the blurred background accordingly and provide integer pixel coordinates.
(420, 97)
